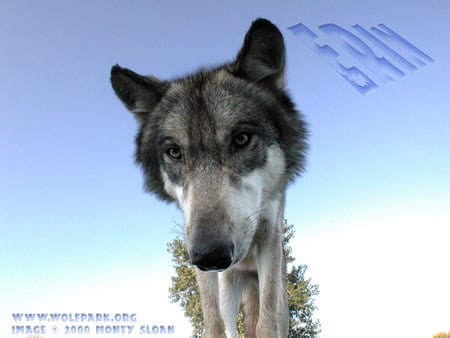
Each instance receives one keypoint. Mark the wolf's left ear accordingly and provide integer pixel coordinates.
(138, 93)
(262, 57)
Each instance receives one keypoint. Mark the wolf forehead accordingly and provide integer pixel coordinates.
(208, 107)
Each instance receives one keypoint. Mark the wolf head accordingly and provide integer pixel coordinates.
(223, 143)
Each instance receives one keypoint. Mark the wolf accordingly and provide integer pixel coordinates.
(224, 143)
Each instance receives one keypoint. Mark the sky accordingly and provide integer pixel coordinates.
(78, 234)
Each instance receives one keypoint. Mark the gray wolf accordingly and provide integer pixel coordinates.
(224, 143)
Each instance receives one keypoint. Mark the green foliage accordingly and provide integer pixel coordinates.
(300, 293)
(301, 304)
(184, 290)
(442, 335)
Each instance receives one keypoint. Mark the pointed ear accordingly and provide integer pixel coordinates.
(138, 93)
(262, 57)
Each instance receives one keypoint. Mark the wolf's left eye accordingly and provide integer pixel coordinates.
(242, 139)
(174, 153)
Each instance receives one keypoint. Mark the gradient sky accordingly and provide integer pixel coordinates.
(78, 234)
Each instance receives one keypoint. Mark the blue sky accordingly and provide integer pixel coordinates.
(77, 232)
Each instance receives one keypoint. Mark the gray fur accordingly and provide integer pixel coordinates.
(212, 135)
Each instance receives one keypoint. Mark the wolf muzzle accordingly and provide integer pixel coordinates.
(212, 256)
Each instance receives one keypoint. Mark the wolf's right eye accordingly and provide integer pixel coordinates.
(174, 153)
(242, 139)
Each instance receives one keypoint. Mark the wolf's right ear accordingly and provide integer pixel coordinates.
(262, 56)
(138, 93)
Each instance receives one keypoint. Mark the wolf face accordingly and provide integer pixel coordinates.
(223, 143)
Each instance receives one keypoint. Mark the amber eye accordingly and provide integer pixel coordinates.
(174, 153)
(242, 139)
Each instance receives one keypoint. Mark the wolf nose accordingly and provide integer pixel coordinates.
(218, 256)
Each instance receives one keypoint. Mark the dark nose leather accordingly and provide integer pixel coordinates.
(212, 256)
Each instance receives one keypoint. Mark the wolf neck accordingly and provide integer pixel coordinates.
(268, 236)
(272, 218)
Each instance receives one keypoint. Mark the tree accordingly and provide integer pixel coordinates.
(442, 335)
(184, 289)
(300, 292)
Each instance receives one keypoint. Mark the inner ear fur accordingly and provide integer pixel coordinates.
(138, 93)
